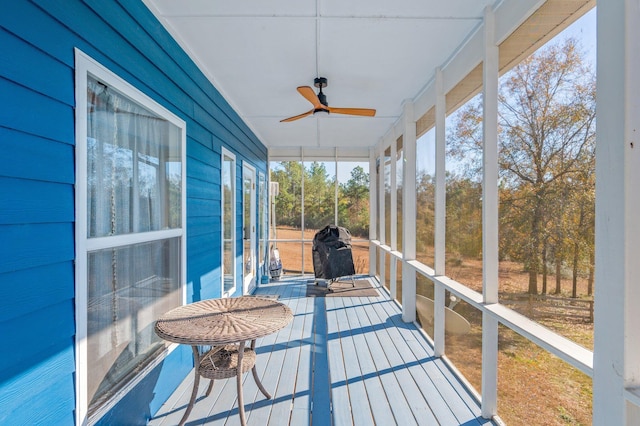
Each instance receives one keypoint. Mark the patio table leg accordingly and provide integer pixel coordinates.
(255, 374)
(196, 382)
(210, 388)
(243, 422)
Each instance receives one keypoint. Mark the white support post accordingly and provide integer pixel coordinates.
(440, 216)
(302, 210)
(335, 188)
(616, 359)
(440, 195)
(409, 141)
(393, 275)
(382, 220)
(438, 319)
(373, 199)
(490, 216)
(489, 369)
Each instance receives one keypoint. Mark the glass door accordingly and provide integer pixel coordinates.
(249, 228)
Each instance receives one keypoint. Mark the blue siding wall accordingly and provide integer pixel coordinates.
(37, 41)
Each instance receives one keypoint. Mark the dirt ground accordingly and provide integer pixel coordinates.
(534, 387)
(292, 256)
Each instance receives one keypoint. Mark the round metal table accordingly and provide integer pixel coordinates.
(225, 325)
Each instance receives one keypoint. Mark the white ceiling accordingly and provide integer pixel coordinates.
(374, 53)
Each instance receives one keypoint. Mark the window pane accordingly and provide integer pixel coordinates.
(387, 196)
(353, 198)
(128, 289)
(248, 206)
(425, 197)
(263, 256)
(286, 220)
(463, 339)
(424, 303)
(319, 195)
(360, 252)
(547, 191)
(535, 385)
(133, 166)
(228, 221)
(291, 257)
(463, 248)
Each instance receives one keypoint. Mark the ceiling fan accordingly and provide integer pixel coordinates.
(321, 106)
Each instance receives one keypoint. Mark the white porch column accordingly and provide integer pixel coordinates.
(490, 216)
(381, 232)
(373, 199)
(302, 225)
(409, 214)
(616, 359)
(335, 189)
(440, 215)
(393, 263)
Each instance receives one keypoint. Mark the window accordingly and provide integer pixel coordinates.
(425, 197)
(228, 222)
(130, 220)
(263, 225)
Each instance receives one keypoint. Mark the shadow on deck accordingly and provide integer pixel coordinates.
(342, 361)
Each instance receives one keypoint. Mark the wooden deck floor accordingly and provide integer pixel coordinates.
(342, 361)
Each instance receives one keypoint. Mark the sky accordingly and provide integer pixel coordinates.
(584, 30)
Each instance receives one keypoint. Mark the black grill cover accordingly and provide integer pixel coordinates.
(332, 256)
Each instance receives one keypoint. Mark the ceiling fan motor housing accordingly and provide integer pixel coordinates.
(320, 82)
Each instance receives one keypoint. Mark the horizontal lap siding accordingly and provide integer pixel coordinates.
(37, 41)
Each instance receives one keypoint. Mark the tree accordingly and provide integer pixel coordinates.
(288, 174)
(354, 203)
(319, 196)
(547, 132)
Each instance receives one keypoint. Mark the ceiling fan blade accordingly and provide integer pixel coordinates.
(311, 96)
(297, 117)
(353, 111)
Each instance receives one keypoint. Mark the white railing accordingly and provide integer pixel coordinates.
(565, 349)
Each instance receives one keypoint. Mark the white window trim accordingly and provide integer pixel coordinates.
(85, 65)
(226, 152)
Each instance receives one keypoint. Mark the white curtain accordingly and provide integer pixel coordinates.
(133, 184)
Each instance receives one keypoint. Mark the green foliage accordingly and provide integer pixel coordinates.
(319, 190)
(353, 203)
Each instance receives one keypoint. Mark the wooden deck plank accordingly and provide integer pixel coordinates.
(283, 395)
(401, 366)
(172, 409)
(301, 409)
(380, 406)
(392, 387)
(437, 404)
(357, 386)
(342, 361)
(321, 390)
(259, 410)
(458, 400)
(290, 368)
(337, 373)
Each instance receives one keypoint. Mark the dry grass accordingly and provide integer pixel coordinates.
(534, 387)
(292, 256)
